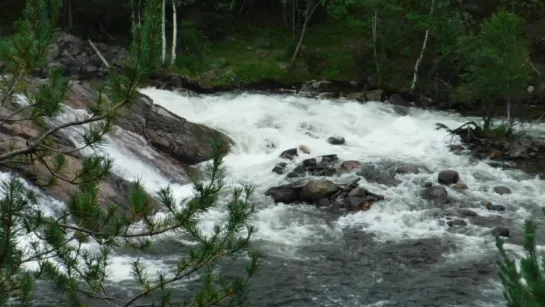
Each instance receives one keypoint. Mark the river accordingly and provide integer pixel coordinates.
(399, 253)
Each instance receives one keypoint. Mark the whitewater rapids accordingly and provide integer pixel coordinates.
(397, 253)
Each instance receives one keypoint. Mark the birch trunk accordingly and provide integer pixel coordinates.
(164, 32)
(375, 21)
(308, 14)
(174, 33)
(421, 56)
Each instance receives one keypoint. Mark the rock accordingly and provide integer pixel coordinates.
(304, 149)
(488, 205)
(280, 168)
(350, 165)
(460, 186)
(456, 148)
(457, 222)
(372, 173)
(318, 189)
(185, 141)
(407, 170)
(500, 231)
(77, 59)
(448, 177)
(359, 96)
(286, 194)
(502, 190)
(297, 172)
(427, 184)
(465, 213)
(374, 95)
(435, 193)
(289, 154)
(309, 162)
(336, 140)
(397, 100)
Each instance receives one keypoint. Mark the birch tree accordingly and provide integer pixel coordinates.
(164, 31)
(174, 31)
(311, 6)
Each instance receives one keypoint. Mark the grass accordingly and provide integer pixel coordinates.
(252, 54)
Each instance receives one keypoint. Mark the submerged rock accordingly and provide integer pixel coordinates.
(435, 193)
(502, 190)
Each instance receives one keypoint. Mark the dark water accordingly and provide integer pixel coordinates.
(354, 270)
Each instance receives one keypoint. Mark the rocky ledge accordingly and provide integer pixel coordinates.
(167, 142)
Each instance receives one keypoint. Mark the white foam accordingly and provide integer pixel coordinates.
(373, 133)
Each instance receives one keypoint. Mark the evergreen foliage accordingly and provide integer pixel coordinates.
(60, 249)
(524, 287)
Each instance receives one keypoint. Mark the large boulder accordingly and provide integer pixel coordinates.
(77, 58)
(318, 189)
(186, 142)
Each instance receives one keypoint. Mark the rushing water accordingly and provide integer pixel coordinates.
(396, 254)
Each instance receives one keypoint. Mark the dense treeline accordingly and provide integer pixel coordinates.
(458, 51)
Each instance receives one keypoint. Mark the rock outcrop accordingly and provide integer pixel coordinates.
(186, 142)
(325, 193)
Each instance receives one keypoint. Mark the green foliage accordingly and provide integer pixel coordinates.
(497, 59)
(62, 260)
(524, 287)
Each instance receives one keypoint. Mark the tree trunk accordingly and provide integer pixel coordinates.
(139, 12)
(174, 33)
(133, 14)
(70, 17)
(424, 45)
(164, 32)
(308, 14)
(375, 21)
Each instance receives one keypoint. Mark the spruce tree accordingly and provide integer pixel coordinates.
(76, 272)
(524, 287)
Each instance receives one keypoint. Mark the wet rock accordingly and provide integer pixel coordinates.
(336, 140)
(457, 222)
(304, 149)
(502, 190)
(373, 174)
(289, 154)
(318, 189)
(460, 186)
(298, 171)
(456, 148)
(287, 194)
(187, 142)
(500, 231)
(350, 165)
(488, 205)
(310, 162)
(397, 100)
(427, 184)
(407, 170)
(448, 177)
(435, 193)
(280, 168)
(329, 158)
(466, 213)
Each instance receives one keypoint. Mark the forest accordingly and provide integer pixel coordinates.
(457, 51)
